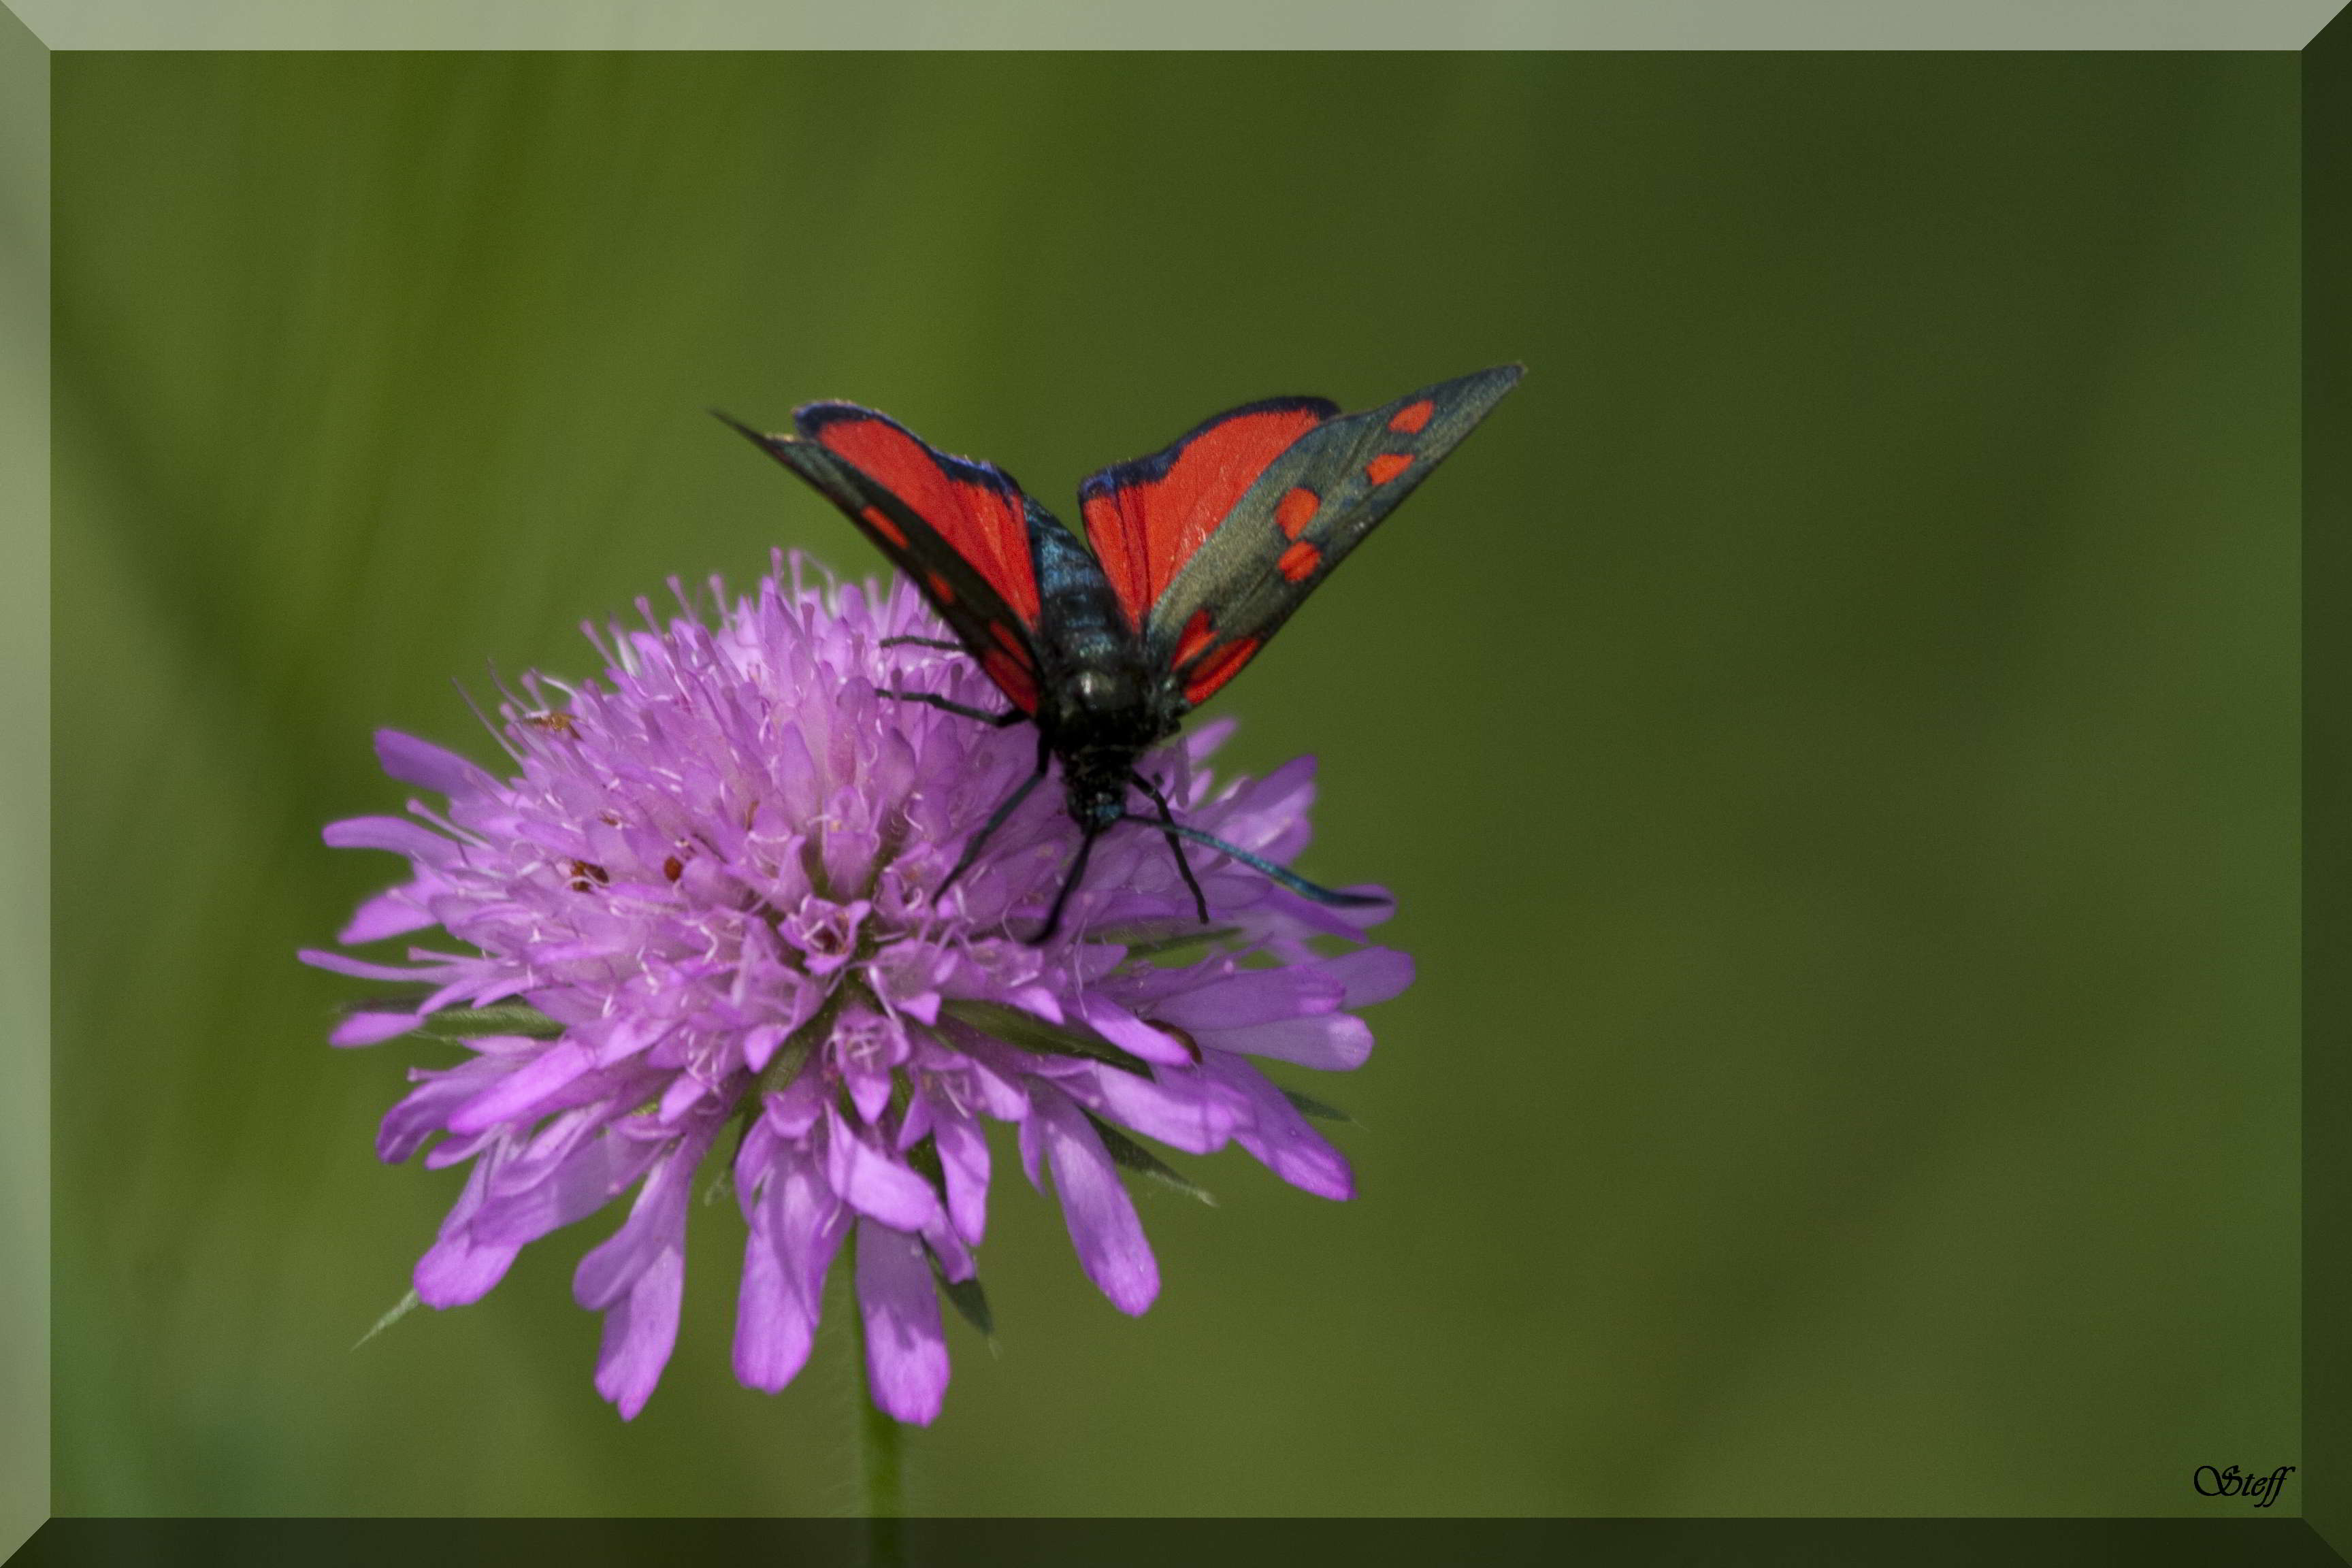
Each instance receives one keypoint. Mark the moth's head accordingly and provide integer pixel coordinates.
(1096, 795)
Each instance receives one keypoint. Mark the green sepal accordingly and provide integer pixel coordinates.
(967, 1298)
(923, 1159)
(502, 1018)
(1129, 1155)
(801, 1044)
(406, 1305)
(1031, 1033)
(1307, 1105)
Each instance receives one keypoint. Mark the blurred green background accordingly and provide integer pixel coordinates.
(1833, 733)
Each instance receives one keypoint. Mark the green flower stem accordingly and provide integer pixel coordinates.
(884, 1503)
(881, 1451)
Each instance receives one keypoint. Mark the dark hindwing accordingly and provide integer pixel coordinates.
(1305, 510)
(958, 528)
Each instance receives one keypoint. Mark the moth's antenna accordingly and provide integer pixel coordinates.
(1288, 878)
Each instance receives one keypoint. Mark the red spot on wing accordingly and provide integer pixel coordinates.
(1383, 468)
(1296, 509)
(1011, 679)
(1011, 641)
(1412, 419)
(1197, 635)
(942, 587)
(1218, 668)
(981, 521)
(882, 525)
(1145, 526)
(1298, 561)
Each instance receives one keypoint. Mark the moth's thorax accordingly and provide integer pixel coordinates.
(1103, 700)
(1097, 696)
(1098, 693)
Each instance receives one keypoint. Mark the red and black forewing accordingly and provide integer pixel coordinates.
(1147, 518)
(1305, 508)
(958, 528)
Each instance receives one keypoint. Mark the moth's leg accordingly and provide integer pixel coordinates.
(996, 819)
(1175, 844)
(1069, 885)
(1010, 716)
(948, 644)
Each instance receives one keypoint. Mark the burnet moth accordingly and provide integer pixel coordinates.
(1199, 553)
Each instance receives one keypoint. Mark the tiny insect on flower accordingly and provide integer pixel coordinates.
(700, 915)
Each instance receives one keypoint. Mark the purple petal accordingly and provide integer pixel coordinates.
(1251, 996)
(396, 833)
(394, 913)
(999, 1096)
(755, 1155)
(520, 1089)
(372, 1028)
(1270, 807)
(1336, 1042)
(771, 1338)
(795, 1109)
(424, 1109)
(1187, 1110)
(906, 1352)
(459, 1267)
(342, 963)
(1371, 974)
(457, 1151)
(1284, 913)
(1036, 999)
(423, 764)
(760, 1045)
(1279, 1136)
(874, 1184)
(914, 1123)
(655, 1227)
(640, 1330)
(456, 1270)
(1033, 1145)
(1132, 1034)
(848, 855)
(796, 1228)
(571, 1189)
(949, 1251)
(1205, 741)
(963, 1157)
(685, 1092)
(1100, 1213)
(869, 1090)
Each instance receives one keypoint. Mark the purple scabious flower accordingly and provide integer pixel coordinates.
(699, 916)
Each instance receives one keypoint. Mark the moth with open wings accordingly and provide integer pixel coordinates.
(1200, 552)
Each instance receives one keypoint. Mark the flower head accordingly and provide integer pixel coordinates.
(699, 916)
